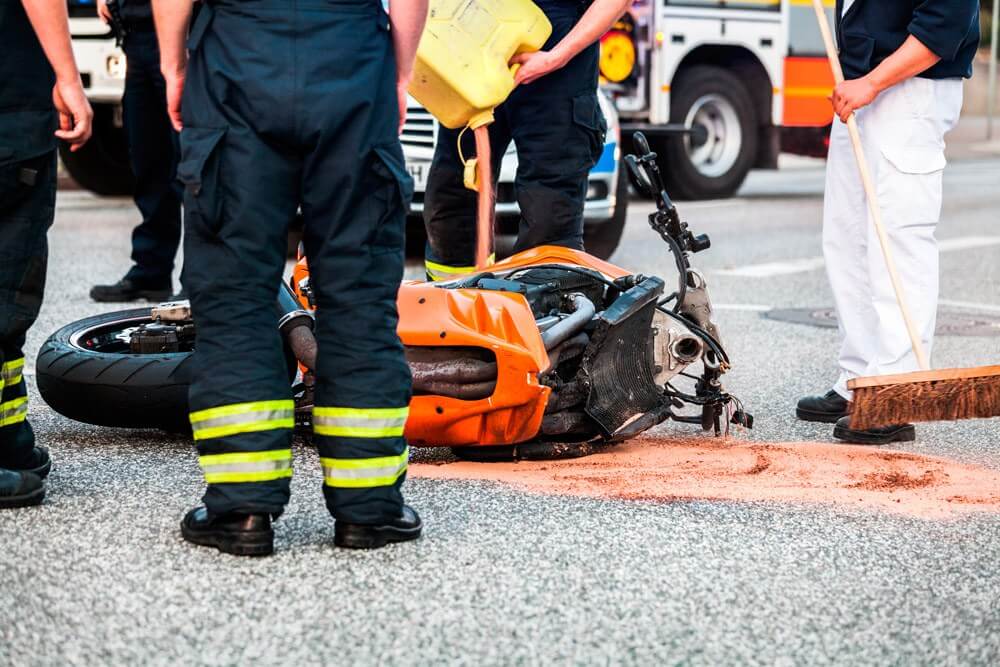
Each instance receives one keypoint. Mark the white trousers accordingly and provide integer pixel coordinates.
(903, 136)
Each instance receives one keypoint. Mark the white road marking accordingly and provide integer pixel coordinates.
(744, 307)
(966, 242)
(806, 264)
(970, 305)
(768, 269)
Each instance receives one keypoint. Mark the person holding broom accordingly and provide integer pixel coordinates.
(904, 63)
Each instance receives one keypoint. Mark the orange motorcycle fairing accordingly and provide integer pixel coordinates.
(550, 254)
(500, 322)
(497, 321)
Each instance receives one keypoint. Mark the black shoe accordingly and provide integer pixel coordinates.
(20, 489)
(37, 463)
(364, 536)
(239, 534)
(874, 436)
(827, 408)
(125, 290)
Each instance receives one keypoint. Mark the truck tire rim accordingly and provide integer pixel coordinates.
(720, 150)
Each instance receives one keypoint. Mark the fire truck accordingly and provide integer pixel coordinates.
(720, 87)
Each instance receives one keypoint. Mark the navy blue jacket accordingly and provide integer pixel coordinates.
(873, 29)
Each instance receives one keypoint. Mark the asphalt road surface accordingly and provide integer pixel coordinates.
(100, 575)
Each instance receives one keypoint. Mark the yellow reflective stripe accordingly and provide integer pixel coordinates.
(14, 411)
(237, 418)
(439, 272)
(243, 477)
(241, 408)
(360, 422)
(364, 473)
(235, 467)
(11, 372)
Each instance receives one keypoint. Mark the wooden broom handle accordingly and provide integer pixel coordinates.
(870, 192)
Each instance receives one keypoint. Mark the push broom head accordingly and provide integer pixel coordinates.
(942, 395)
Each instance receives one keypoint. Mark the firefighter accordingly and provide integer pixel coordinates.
(904, 64)
(152, 148)
(557, 126)
(39, 104)
(287, 105)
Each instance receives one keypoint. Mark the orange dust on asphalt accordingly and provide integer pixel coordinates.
(662, 470)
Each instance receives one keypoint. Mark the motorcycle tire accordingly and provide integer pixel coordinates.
(107, 388)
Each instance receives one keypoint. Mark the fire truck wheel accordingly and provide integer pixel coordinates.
(713, 163)
(102, 164)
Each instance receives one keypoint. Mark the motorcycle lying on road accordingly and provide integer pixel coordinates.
(551, 352)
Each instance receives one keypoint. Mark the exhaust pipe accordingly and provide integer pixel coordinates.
(583, 311)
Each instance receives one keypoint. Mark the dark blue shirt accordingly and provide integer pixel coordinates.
(872, 30)
(27, 116)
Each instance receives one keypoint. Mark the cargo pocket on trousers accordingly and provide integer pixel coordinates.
(909, 185)
(393, 191)
(198, 170)
(587, 114)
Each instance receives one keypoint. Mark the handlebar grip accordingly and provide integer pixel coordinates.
(641, 145)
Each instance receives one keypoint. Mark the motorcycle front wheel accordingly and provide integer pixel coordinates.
(86, 371)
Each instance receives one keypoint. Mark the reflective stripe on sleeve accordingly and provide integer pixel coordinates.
(364, 473)
(238, 467)
(360, 422)
(13, 412)
(440, 272)
(10, 372)
(243, 418)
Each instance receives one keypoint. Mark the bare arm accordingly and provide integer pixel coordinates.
(407, 18)
(909, 60)
(597, 20)
(50, 22)
(172, 18)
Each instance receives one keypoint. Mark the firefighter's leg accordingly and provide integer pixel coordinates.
(450, 207)
(241, 195)
(153, 152)
(354, 237)
(27, 206)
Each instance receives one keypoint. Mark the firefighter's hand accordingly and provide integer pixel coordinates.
(103, 12)
(75, 115)
(535, 65)
(852, 95)
(175, 91)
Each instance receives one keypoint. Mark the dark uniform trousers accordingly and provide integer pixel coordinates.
(558, 130)
(27, 207)
(290, 104)
(153, 150)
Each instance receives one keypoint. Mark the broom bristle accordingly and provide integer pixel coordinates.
(944, 399)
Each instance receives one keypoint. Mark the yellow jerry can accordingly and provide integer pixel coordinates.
(461, 69)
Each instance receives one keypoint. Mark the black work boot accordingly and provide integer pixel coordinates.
(20, 489)
(238, 534)
(827, 408)
(37, 463)
(874, 436)
(125, 290)
(371, 536)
